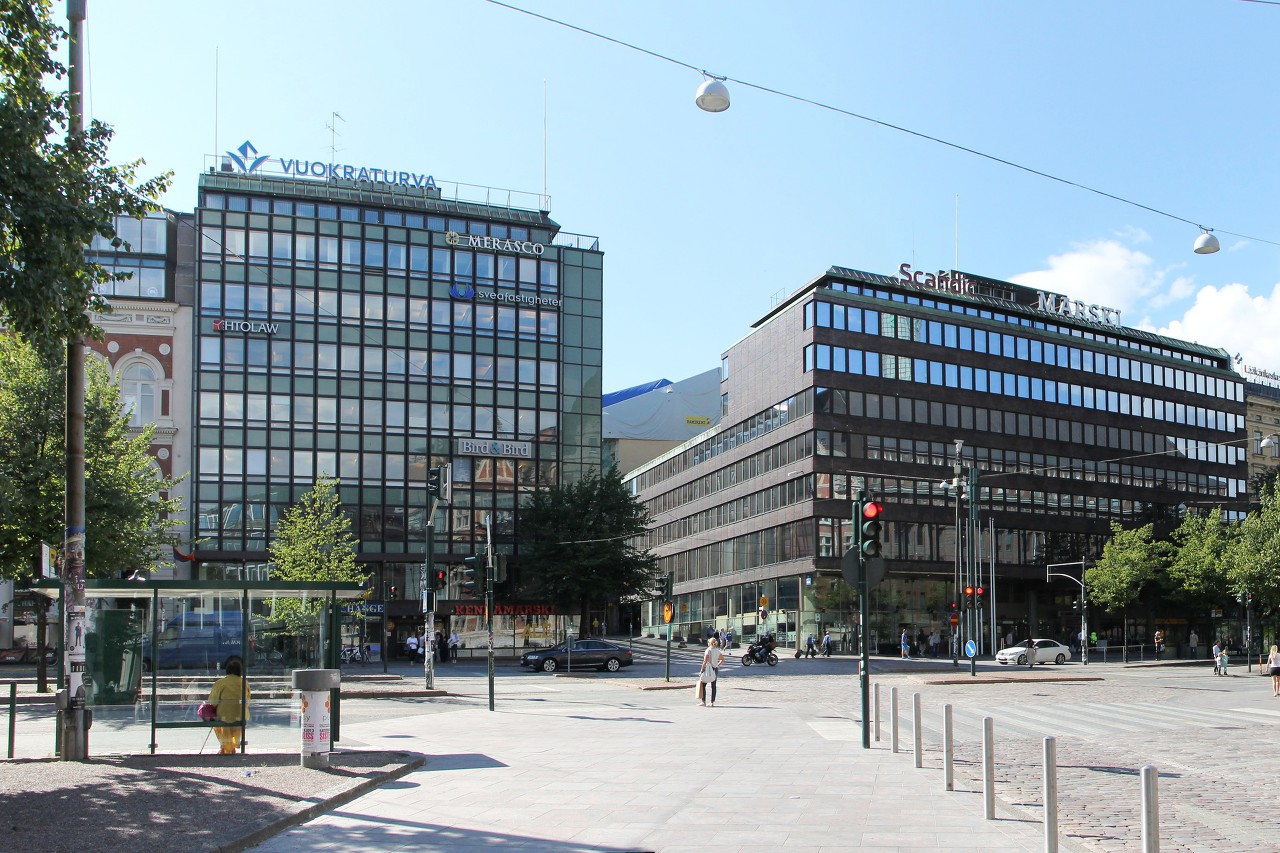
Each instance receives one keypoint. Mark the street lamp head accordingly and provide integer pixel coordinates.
(713, 96)
(1206, 243)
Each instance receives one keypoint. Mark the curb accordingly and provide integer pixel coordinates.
(1006, 680)
(314, 810)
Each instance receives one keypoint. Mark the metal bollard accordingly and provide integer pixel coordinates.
(893, 710)
(1150, 809)
(877, 712)
(1050, 795)
(988, 769)
(948, 750)
(13, 715)
(916, 725)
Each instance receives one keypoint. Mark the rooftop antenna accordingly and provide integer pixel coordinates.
(957, 266)
(333, 135)
(216, 151)
(544, 143)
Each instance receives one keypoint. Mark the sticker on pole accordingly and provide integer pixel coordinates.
(970, 649)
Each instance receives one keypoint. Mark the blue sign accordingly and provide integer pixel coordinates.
(970, 649)
(248, 161)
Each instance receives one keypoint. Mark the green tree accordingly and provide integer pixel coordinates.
(1130, 561)
(55, 196)
(1198, 568)
(1262, 482)
(313, 542)
(127, 521)
(1253, 560)
(576, 543)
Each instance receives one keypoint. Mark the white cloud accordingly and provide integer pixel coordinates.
(1232, 318)
(1101, 272)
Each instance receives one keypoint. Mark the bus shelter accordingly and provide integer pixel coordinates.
(153, 650)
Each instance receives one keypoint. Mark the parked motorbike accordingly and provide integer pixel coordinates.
(761, 653)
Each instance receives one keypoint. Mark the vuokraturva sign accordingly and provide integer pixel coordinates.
(247, 160)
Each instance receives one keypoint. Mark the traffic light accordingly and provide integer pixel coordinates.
(436, 579)
(393, 593)
(977, 597)
(438, 485)
(870, 539)
(663, 592)
(472, 579)
(1075, 604)
(968, 597)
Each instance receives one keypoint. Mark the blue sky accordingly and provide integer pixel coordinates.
(707, 220)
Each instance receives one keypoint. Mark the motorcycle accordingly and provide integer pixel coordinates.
(761, 653)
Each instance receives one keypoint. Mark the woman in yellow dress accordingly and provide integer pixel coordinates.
(230, 695)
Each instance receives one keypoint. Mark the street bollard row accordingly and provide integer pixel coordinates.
(1150, 775)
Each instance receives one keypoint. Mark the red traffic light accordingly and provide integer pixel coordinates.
(968, 590)
(871, 510)
(980, 590)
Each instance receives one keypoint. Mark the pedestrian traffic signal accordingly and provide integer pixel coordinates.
(440, 482)
(870, 546)
(472, 580)
(436, 579)
(1075, 604)
(977, 597)
(393, 593)
(968, 597)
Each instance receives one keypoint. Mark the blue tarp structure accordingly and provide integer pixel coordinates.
(634, 391)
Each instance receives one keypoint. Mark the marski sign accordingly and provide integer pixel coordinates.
(247, 160)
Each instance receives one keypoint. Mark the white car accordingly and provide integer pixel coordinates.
(1047, 651)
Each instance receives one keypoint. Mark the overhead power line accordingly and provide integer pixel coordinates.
(888, 125)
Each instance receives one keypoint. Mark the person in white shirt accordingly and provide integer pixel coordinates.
(453, 645)
(711, 659)
(411, 646)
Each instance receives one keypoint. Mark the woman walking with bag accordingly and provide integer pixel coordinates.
(1273, 664)
(707, 675)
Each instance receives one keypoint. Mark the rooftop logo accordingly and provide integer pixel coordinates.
(246, 157)
(494, 244)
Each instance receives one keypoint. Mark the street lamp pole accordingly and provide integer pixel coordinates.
(1084, 603)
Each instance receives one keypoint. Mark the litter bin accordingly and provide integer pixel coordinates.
(314, 685)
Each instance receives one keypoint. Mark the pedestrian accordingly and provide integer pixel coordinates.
(595, 627)
(728, 639)
(411, 647)
(1031, 655)
(452, 646)
(905, 641)
(1194, 642)
(1008, 639)
(1159, 643)
(230, 696)
(935, 641)
(711, 659)
(826, 643)
(604, 630)
(439, 647)
(1273, 664)
(1219, 664)
(810, 647)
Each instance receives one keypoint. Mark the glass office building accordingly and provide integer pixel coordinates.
(1069, 421)
(373, 331)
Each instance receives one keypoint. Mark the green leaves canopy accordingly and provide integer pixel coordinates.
(1131, 559)
(54, 196)
(127, 522)
(576, 543)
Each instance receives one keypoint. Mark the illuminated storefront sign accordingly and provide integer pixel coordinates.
(247, 160)
(494, 447)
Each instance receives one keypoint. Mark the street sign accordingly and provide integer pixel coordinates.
(667, 612)
(764, 614)
(764, 601)
(955, 619)
(970, 649)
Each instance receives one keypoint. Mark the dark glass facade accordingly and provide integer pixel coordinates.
(862, 381)
(371, 335)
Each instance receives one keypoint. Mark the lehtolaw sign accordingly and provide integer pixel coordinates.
(243, 327)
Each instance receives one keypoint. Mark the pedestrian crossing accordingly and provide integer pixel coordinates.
(1087, 720)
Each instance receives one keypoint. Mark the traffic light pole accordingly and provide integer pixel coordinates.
(976, 611)
(1084, 603)
(864, 632)
(427, 586)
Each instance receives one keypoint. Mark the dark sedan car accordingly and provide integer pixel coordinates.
(587, 654)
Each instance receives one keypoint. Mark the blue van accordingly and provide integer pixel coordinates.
(196, 640)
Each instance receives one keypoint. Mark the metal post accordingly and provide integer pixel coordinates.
(864, 628)
(988, 769)
(1150, 810)
(668, 651)
(13, 715)
(75, 745)
(877, 712)
(429, 599)
(893, 711)
(1050, 795)
(916, 729)
(948, 750)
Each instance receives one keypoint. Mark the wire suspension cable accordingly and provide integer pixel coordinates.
(888, 125)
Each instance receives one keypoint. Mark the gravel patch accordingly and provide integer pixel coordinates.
(163, 803)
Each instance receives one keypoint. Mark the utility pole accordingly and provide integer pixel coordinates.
(74, 716)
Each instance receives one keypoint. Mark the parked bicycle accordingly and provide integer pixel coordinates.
(354, 654)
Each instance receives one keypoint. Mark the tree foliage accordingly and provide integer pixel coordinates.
(1253, 560)
(313, 542)
(127, 522)
(55, 194)
(1198, 567)
(576, 543)
(1130, 560)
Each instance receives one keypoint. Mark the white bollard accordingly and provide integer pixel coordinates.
(1050, 795)
(917, 729)
(1150, 810)
(988, 769)
(877, 712)
(948, 750)
(893, 710)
